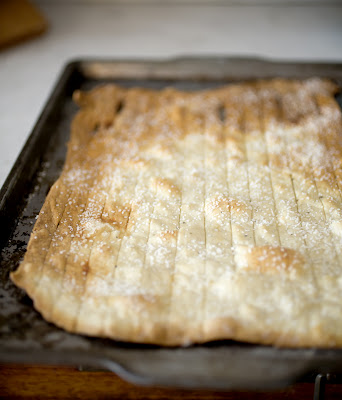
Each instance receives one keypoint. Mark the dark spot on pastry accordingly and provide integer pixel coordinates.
(95, 129)
(222, 113)
(119, 107)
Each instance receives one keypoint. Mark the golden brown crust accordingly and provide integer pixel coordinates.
(184, 217)
(273, 260)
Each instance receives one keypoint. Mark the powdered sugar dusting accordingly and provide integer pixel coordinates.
(178, 201)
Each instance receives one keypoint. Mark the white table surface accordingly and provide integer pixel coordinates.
(28, 71)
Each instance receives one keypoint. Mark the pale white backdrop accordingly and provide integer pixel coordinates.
(293, 30)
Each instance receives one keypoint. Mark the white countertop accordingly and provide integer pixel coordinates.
(28, 71)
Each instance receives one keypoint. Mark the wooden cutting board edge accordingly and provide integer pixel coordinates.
(19, 21)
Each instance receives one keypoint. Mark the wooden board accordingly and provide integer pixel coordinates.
(19, 20)
(52, 382)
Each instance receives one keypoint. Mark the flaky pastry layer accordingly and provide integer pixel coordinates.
(184, 217)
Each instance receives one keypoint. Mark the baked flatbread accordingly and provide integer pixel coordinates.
(184, 217)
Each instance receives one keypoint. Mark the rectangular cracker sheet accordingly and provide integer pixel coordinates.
(184, 217)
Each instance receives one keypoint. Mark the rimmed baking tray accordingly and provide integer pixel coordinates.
(25, 337)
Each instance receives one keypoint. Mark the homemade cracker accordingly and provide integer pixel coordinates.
(183, 217)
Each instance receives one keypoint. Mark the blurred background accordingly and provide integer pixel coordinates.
(39, 37)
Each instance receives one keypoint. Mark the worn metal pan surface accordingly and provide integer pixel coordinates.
(26, 337)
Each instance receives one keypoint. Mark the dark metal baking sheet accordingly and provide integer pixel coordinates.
(26, 337)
